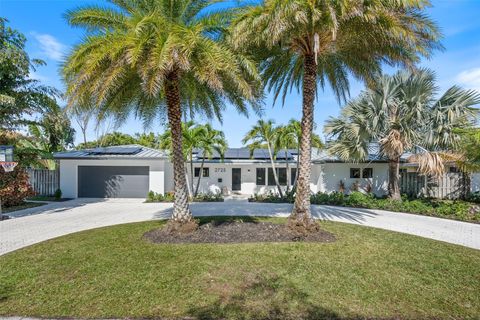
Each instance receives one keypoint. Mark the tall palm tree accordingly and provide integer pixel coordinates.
(290, 137)
(306, 43)
(211, 141)
(400, 113)
(154, 58)
(263, 135)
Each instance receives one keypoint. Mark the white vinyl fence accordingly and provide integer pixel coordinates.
(45, 182)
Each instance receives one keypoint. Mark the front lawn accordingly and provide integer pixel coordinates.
(114, 273)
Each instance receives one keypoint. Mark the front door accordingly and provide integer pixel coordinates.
(236, 179)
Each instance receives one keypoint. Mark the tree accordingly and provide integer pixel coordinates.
(155, 58)
(20, 95)
(306, 43)
(264, 135)
(192, 135)
(82, 117)
(211, 141)
(289, 137)
(400, 113)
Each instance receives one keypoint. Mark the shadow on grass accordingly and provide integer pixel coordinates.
(265, 297)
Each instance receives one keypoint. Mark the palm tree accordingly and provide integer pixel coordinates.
(192, 135)
(154, 58)
(263, 135)
(305, 43)
(211, 141)
(400, 113)
(290, 137)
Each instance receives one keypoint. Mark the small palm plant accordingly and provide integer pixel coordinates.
(157, 58)
(401, 113)
(304, 44)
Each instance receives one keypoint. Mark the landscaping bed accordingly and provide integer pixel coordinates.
(451, 209)
(170, 197)
(238, 231)
(24, 205)
(48, 198)
(366, 273)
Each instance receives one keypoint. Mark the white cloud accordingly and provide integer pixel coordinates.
(470, 78)
(50, 46)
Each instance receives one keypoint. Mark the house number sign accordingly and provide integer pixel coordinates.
(220, 170)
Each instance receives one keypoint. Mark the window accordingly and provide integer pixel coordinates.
(271, 178)
(260, 176)
(281, 175)
(454, 170)
(206, 172)
(293, 175)
(367, 173)
(354, 173)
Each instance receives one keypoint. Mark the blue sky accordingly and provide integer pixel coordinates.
(50, 38)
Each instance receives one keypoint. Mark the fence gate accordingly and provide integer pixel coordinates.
(452, 185)
(45, 182)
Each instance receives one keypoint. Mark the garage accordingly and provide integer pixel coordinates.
(113, 181)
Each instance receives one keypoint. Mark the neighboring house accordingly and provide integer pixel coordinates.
(131, 171)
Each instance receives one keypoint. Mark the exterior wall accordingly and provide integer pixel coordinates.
(223, 171)
(69, 171)
(329, 175)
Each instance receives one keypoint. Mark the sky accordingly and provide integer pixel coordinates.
(50, 38)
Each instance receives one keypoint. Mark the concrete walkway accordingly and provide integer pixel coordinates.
(56, 219)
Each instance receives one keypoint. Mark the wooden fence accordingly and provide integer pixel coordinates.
(452, 185)
(45, 182)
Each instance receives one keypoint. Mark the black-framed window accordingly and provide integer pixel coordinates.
(293, 175)
(367, 173)
(271, 178)
(206, 172)
(282, 176)
(261, 176)
(355, 173)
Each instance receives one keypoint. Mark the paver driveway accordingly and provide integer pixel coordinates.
(57, 219)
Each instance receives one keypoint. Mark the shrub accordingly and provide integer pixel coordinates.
(158, 197)
(208, 197)
(359, 200)
(58, 194)
(474, 197)
(14, 187)
(170, 197)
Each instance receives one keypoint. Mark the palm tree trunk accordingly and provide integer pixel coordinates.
(200, 175)
(181, 210)
(296, 172)
(301, 217)
(275, 176)
(288, 171)
(192, 174)
(393, 179)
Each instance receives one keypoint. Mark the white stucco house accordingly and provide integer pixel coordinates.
(131, 171)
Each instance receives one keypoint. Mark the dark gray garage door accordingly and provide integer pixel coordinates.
(112, 182)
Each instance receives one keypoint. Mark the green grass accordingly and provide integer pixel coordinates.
(112, 272)
(25, 205)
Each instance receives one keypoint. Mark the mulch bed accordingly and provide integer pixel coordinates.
(237, 232)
